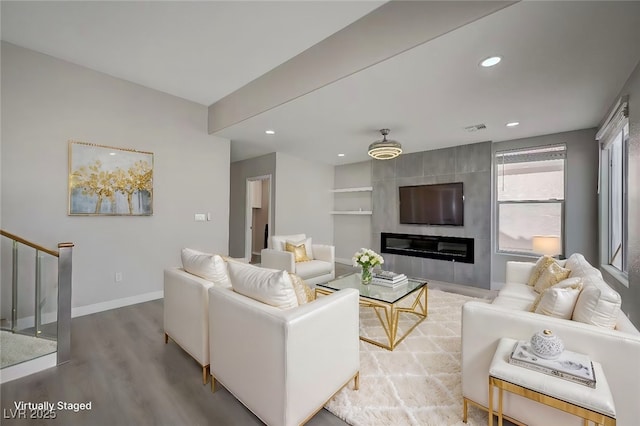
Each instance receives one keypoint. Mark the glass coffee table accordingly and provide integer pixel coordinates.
(387, 303)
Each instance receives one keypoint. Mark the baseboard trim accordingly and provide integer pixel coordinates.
(28, 367)
(80, 311)
(344, 261)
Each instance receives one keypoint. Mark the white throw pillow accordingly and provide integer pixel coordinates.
(580, 267)
(264, 285)
(560, 300)
(598, 303)
(210, 267)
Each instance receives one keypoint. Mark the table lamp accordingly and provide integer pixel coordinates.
(547, 244)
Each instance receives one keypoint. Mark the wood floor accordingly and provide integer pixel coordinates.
(121, 365)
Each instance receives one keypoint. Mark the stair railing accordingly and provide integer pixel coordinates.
(65, 256)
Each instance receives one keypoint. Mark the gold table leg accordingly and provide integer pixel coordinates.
(389, 319)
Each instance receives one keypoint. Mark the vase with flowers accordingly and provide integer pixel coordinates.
(367, 259)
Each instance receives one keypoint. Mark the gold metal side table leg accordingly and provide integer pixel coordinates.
(465, 409)
(499, 406)
(490, 416)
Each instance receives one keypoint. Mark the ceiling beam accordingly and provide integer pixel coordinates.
(389, 30)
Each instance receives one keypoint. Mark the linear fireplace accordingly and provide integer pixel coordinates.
(430, 246)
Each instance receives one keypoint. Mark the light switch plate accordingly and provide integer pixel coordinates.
(200, 217)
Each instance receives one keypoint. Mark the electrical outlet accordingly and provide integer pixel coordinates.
(118, 277)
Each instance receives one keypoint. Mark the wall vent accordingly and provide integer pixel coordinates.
(475, 127)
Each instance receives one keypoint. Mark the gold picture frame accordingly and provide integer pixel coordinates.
(109, 181)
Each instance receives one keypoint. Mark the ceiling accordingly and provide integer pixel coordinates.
(563, 65)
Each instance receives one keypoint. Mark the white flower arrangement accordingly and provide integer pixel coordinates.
(367, 258)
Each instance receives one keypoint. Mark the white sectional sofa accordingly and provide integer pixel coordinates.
(617, 348)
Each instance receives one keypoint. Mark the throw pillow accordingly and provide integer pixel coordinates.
(304, 294)
(542, 264)
(264, 285)
(210, 267)
(299, 251)
(598, 303)
(553, 274)
(277, 241)
(559, 300)
(307, 246)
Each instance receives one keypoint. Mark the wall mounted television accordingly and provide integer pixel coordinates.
(439, 204)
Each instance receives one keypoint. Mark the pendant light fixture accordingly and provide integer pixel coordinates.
(385, 149)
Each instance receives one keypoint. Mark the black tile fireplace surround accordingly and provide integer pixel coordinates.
(430, 246)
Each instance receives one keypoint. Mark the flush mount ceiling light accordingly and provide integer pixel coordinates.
(384, 149)
(490, 61)
(340, 155)
(513, 124)
(270, 132)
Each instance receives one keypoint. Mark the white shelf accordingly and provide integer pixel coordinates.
(361, 189)
(360, 212)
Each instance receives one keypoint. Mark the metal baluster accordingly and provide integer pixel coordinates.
(38, 314)
(14, 288)
(64, 301)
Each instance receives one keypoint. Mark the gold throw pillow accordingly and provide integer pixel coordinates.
(299, 252)
(542, 264)
(304, 294)
(550, 276)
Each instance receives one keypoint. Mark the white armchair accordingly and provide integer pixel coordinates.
(283, 365)
(320, 269)
(186, 314)
(186, 302)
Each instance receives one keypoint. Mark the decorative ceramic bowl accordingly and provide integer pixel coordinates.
(546, 345)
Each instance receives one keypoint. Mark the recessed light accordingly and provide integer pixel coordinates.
(513, 124)
(490, 61)
(112, 153)
(340, 155)
(270, 132)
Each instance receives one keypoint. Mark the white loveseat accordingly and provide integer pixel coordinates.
(617, 350)
(283, 365)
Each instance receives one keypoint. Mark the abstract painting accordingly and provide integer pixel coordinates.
(109, 181)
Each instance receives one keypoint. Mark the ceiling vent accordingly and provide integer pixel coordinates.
(475, 127)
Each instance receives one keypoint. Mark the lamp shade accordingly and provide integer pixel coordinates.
(547, 244)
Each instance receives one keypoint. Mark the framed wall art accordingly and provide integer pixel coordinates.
(110, 181)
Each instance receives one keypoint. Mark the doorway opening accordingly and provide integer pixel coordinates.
(258, 216)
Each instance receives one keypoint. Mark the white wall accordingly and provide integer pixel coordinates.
(303, 198)
(45, 103)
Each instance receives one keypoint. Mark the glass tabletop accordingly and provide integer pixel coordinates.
(373, 291)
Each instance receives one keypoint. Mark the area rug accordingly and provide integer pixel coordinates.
(418, 383)
(15, 348)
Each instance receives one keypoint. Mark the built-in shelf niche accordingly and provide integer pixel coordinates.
(359, 189)
(360, 212)
(352, 190)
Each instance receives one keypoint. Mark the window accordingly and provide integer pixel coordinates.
(614, 144)
(530, 197)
